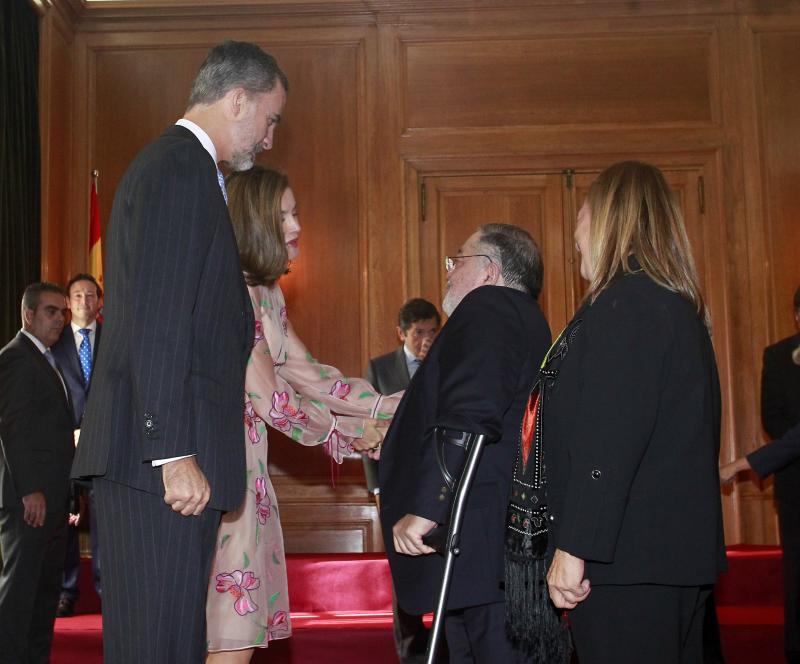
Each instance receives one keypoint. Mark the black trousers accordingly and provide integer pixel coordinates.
(156, 565)
(790, 541)
(478, 635)
(72, 560)
(640, 623)
(30, 584)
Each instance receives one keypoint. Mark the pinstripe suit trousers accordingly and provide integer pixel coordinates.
(155, 566)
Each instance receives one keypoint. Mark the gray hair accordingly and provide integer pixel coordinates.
(518, 256)
(33, 293)
(235, 64)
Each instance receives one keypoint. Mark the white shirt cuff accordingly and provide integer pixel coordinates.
(161, 462)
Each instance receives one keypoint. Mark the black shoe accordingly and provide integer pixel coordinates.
(66, 608)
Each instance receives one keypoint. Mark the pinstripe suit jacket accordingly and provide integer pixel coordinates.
(169, 377)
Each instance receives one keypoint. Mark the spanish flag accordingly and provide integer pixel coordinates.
(95, 242)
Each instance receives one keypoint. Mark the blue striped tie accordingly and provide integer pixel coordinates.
(85, 355)
(221, 180)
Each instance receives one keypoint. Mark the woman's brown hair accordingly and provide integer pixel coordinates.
(254, 201)
(635, 213)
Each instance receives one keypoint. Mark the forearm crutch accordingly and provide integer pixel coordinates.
(474, 446)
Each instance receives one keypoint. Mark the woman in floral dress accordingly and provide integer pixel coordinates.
(287, 389)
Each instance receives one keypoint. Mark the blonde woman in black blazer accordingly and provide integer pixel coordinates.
(631, 434)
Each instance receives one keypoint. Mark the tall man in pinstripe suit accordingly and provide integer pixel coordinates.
(162, 431)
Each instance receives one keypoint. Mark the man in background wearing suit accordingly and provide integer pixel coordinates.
(75, 352)
(37, 449)
(475, 380)
(780, 411)
(417, 324)
(162, 431)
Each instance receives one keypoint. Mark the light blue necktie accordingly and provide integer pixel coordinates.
(221, 180)
(85, 355)
(412, 369)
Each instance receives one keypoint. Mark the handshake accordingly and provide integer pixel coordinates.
(370, 442)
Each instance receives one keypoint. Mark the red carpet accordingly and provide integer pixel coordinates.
(341, 612)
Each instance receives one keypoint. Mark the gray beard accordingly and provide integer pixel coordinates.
(243, 161)
(450, 302)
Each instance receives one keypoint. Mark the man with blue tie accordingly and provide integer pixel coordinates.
(75, 351)
(35, 455)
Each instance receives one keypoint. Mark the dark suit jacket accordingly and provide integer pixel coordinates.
(778, 454)
(388, 373)
(631, 441)
(35, 428)
(169, 377)
(476, 377)
(780, 407)
(66, 354)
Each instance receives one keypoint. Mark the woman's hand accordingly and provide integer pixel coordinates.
(729, 471)
(565, 580)
(372, 438)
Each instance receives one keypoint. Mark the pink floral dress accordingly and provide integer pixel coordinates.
(314, 404)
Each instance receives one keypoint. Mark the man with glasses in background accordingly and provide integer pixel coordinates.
(418, 322)
(476, 380)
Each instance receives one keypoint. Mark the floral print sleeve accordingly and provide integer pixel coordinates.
(312, 403)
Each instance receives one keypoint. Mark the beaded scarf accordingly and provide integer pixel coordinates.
(532, 621)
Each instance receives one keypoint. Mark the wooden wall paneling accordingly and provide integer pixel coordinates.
(778, 96)
(390, 284)
(765, 126)
(321, 518)
(55, 99)
(572, 80)
(743, 249)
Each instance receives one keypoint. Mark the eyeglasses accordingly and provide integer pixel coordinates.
(450, 261)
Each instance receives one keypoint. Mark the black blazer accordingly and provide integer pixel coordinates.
(388, 373)
(35, 428)
(476, 377)
(779, 453)
(780, 407)
(66, 354)
(631, 440)
(169, 377)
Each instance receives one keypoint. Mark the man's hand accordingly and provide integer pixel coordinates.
(74, 519)
(373, 435)
(729, 471)
(375, 454)
(35, 508)
(565, 580)
(186, 488)
(408, 534)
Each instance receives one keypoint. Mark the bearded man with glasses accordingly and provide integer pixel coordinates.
(475, 380)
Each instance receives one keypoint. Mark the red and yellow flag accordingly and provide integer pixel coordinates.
(95, 242)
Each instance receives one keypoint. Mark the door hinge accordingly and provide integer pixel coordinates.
(701, 194)
(423, 201)
(569, 174)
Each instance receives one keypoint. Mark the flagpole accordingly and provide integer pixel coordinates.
(95, 241)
